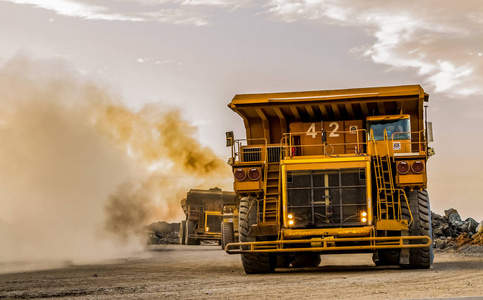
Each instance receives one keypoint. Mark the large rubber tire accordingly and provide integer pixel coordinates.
(306, 260)
(182, 230)
(253, 263)
(227, 234)
(190, 229)
(419, 258)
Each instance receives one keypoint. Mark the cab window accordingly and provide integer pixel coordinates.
(396, 129)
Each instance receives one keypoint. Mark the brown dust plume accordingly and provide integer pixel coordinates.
(80, 174)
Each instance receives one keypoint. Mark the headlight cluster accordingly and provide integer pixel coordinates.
(254, 174)
(416, 166)
(364, 217)
(290, 219)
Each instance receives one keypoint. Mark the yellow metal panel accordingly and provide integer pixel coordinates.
(410, 179)
(391, 225)
(341, 232)
(247, 185)
(310, 135)
(324, 164)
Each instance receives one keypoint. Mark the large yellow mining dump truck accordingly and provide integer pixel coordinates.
(205, 212)
(339, 171)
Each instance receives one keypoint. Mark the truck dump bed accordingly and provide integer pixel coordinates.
(267, 116)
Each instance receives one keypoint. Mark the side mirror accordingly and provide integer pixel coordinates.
(430, 132)
(324, 136)
(229, 138)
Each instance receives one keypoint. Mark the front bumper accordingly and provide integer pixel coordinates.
(328, 244)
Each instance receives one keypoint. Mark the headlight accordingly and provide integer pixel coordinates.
(417, 166)
(254, 174)
(291, 222)
(363, 220)
(290, 216)
(402, 167)
(240, 174)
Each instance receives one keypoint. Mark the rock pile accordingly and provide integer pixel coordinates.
(163, 233)
(450, 231)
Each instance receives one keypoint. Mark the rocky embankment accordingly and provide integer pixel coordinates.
(451, 232)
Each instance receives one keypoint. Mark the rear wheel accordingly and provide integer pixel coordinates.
(227, 234)
(419, 258)
(190, 230)
(253, 263)
(182, 227)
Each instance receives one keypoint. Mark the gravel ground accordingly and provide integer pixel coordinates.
(174, 271)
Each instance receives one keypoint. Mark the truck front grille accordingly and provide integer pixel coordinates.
(213, 222)
(326, 198)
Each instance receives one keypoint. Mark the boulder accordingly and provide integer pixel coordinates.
(453, 217)
(469, 226)
(479, 228)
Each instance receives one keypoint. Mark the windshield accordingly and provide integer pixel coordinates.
(400, 128)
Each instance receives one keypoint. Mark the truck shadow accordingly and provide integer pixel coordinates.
(475, 265)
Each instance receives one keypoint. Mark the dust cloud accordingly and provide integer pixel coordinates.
(81, 174)
(160, 140)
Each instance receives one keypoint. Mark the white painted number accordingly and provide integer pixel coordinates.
(334, 133)
(311, 131)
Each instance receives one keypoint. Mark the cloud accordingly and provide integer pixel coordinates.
(179, 16)
(77, 9)
(441, 40)
(179, 12)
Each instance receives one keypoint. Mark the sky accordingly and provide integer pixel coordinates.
(195, 55)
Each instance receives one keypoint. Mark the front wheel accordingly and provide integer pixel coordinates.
(253, 263)
(419, 258)
(227, 234)
(190, 230)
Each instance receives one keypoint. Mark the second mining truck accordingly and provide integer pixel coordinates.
(337, 171)
(206, 214)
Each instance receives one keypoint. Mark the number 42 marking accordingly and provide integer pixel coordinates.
(311, 131)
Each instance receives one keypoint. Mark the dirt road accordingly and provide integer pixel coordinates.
(172, 271)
